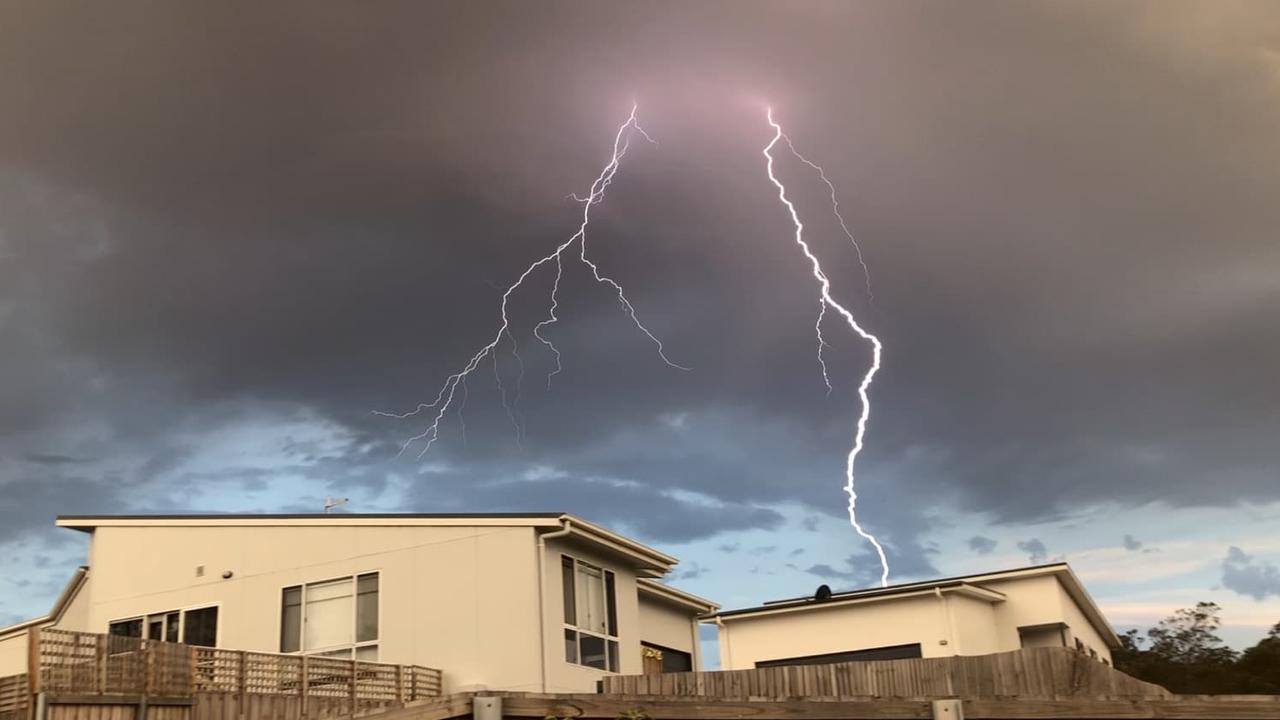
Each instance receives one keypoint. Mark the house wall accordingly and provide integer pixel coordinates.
(462, 599)
(973, 625)
(1080, 627)
(666, 624)
(13, 654)
(970, 626)
(744, 641)
(1038, 600)
(1031, 601)
(563, 676)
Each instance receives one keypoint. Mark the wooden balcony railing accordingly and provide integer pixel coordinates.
(66, 662)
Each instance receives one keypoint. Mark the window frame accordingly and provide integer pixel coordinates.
(355, 645)
(609, 595)
(182, 621)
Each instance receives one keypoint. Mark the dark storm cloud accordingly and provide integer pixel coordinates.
(1068, 210)
(1036, 551)
(863, 570)
(1132, 544)
(1241, 573)
(982, 545)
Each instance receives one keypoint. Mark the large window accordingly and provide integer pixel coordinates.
(197, 626)
(590, 615)
(334, 618)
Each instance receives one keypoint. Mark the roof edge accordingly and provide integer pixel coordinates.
(69, 592)
(676, 595)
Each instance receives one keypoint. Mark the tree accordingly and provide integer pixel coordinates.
(1262, 662)
(1185, 654)
(1190, 636)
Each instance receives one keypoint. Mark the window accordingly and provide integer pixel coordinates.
(126, 628)
(197, 626)
(590, 615)
(889, 652)
(333, 618)
(200, 627)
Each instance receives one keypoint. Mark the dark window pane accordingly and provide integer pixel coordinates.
(571, 646)
(126, 628)
(171, 627)
(155, 628)
(613, 656)
(291, 620)
(611, 603)
(890, 652)
(566, 574)
(593, 652)
(676, 661)
(367, 607)
(201, 627)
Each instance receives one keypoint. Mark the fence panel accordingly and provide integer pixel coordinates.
(1034, 672)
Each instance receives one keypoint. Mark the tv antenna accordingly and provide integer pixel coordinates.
(331, 503)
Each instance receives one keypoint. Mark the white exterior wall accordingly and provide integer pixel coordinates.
(563, 676)
(972, 626)
(13, 654)
(1080, 627)
(462, 599)
(969, 625)
(1031, 601)
(666, 624)
(744, 641)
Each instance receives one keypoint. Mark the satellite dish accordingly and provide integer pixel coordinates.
(823, 593)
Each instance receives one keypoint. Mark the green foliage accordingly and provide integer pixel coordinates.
(1185, 655)
(633, 714)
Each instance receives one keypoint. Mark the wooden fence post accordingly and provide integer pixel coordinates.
(102, 651)
(354, 663)
(35, 683)
(148, 667)
(242, 682)
(305, 685)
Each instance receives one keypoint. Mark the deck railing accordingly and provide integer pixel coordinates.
(67, 662)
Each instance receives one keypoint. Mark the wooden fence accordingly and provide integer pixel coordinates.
(1031, 673)
(180, 681)
(15, 697)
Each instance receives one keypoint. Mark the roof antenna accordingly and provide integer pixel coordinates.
(331, 503)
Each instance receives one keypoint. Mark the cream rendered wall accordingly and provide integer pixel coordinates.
(75, 616)
(563, 676)
(666, 624)
(13, 654)
(973, 626)
(1080, 627)
(748, 640)
(1031, 601)
(462, 599)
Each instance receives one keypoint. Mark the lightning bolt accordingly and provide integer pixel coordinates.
(827, 301)
(445, 397)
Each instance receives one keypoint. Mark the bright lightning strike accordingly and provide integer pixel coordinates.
(449, 390)
(827, 301)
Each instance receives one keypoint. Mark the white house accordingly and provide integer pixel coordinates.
(993, 612)
(533, 602)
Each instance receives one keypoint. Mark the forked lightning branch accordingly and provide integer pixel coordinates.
(452, 393)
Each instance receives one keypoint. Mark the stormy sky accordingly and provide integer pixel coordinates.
(230, 232)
